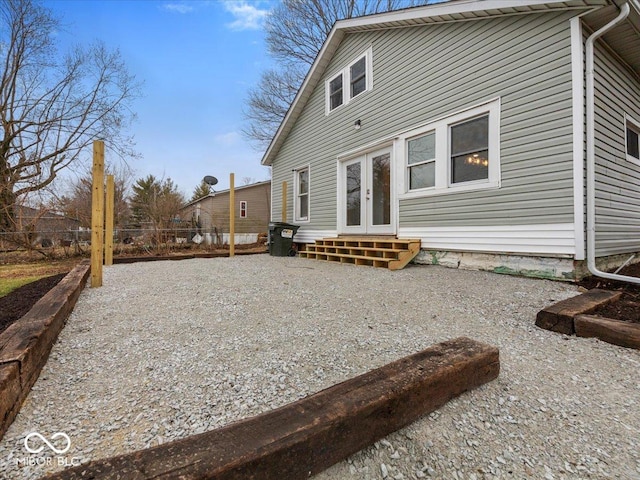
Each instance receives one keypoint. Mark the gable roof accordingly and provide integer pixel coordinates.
(224, 192)
(446, 12)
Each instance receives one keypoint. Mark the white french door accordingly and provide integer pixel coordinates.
(365, 201)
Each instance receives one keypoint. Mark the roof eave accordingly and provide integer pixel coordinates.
(435, 13)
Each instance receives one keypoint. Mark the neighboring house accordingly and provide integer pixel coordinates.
(45, 226)
(464, 124)
(210, 214)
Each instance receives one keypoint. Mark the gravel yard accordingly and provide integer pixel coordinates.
(168, 349)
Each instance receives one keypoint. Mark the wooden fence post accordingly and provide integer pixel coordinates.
(109, 220)
(284, 201)
(232, 216)
(97, 213)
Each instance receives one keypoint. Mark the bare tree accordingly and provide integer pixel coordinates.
(296, 30)
(268, 103)
(53, 107)
(76, 203)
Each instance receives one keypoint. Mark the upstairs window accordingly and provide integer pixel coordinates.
(633, 139)
(335, 92)
(358, 76)
(348, 83)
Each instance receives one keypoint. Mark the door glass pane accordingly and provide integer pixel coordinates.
(354, 193)
(381, 190)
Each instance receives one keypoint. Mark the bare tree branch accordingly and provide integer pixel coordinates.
(296, 30)
(52, 108)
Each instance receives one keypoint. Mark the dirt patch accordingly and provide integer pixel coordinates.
(17, 303)
(627, 309)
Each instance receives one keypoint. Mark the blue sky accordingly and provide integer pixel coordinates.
(197, 60)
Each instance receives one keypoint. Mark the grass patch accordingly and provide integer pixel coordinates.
(8, 285)
(15, 275)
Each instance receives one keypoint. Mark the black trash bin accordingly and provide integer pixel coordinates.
(281, 239)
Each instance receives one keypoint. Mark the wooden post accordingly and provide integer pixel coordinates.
(284, 201)
(97, 213)
(232, 216)
(108, 222)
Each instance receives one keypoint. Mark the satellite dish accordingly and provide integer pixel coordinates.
(209, 180)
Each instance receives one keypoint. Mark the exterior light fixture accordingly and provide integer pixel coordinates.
(357, 124)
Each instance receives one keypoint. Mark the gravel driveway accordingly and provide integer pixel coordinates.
(168, 349)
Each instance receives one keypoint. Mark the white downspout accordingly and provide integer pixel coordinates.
(591, 152)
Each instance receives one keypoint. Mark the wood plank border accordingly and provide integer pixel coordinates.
(186, 256)
(305, 437)
(617, 332)
(559, 316)
(25, 345)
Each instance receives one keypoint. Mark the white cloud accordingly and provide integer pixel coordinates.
(177, 7)
(247, 17)
(229, 138)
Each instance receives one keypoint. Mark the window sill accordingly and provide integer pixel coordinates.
(633, 160)
(349, 101)
(432, 192)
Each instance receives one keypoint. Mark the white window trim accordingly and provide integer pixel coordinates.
(327, 89)
(245, 209)
(442, 127)
(346, 81)
(636, 126)
(296, 187)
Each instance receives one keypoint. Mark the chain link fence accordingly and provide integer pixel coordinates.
(144, 239)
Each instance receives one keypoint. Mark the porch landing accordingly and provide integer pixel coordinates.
(386, 252)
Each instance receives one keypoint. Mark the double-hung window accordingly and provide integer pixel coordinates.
(358, 76)
(421, 161)
(243, 209)
(633, 140)
(454, 153)
(301, 185)
(351, 81)
(335, 92)
(470, 150)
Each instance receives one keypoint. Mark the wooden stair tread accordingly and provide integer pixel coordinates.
(369, 249)
(349, 255)
(392, 253)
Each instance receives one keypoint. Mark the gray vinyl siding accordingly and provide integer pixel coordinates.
(617, 91)
(423, 73)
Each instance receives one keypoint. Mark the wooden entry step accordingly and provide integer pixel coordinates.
(391, 253)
